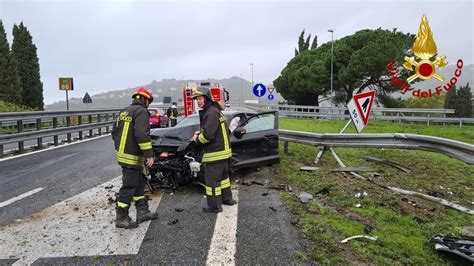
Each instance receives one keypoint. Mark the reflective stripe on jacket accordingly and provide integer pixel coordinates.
(214, 135)
(131, 134)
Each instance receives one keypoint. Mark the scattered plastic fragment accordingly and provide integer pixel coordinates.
(305, 197)
(374, 238)
(463, 246)
(175, 221)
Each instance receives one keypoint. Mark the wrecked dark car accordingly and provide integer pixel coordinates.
(253, 137)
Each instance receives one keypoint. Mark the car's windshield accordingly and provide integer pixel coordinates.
(190, 120)
(152, 112)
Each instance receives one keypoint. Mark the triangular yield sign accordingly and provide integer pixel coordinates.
(363, 102)
(87, 98)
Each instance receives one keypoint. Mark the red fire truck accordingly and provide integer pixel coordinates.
(189, 106)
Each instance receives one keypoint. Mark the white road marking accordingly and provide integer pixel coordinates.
(52, 148)
(22, 196)
(82, 225)
(223, 243)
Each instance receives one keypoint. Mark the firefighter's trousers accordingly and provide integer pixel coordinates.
(216, 177)
(173, 121)
(133, 186)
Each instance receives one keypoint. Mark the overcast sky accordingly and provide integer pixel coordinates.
(110, 45)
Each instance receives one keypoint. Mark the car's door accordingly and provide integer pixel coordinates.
(259, 145)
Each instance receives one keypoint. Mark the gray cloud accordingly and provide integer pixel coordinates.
(108, 45)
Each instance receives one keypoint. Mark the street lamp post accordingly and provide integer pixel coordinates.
(332, 61)
(241, 90)
(252, 78)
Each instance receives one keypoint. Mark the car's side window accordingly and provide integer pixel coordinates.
(261, 122)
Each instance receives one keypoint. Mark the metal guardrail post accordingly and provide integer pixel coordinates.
(428, 122)
(55, 125)
(38, 127)
(1, 145)
(79, 122)
(460, 123)
(98, 121)
(21, 144)
(91, 133)
(68, 124)
(107, 127)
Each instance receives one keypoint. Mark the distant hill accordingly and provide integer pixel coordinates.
(238, 88)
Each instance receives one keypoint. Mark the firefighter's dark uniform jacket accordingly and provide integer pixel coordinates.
(131, 136)
(214, 136)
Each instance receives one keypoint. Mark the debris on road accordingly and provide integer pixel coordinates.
(285, 187)
(374, 238)
(265, 194)
(272, 208)
(305, 197)
(109, 186)
(111, 200)
(468, 231)
(251, 182)
(431, 198)
(178, 209)
(382, 161)
(324, 191)
(308, 168)
(359, 195)
(368, 229)
(463, 246)
(353, 169)
(175, 221)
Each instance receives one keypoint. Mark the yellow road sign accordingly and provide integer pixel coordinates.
(66, 84)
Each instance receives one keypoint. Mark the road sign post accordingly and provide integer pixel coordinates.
(66, 84)
(359, 108)
(259, 90)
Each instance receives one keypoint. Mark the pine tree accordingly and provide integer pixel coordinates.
(451, 100)
(24, 52)
(9, 80)
(304, 45)
(314, 45)
(464, 102)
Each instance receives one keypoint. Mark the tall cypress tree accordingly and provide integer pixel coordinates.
(10, 90)
(464, 108)
(24, 52)
(451, 100)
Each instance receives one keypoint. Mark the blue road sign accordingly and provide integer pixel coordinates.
(259, 90)
(271, 97)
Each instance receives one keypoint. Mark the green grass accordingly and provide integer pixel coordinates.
(403, 230)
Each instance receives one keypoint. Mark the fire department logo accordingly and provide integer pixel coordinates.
(426, 61)
(425, 64)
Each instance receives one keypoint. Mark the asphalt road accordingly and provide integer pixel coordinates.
(67, 219)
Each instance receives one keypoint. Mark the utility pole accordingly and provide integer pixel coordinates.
(332, 62)
(252, 80)
(241, 90)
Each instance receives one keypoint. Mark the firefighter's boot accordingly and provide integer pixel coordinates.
(143, 213)
(123, 220)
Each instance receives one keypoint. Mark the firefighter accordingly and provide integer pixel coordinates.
(172, 114)
(214, 139)
(133, 149)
